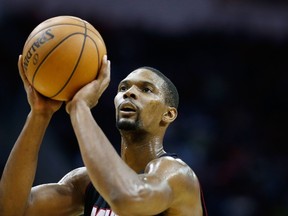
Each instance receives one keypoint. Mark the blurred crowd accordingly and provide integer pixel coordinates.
(232, 123)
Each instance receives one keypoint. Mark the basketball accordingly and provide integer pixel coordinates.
(61, 55)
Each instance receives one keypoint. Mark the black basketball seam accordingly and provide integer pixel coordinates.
(97, 34)
(96, 46)
(30, 37)
(36, 71)
(76, 65)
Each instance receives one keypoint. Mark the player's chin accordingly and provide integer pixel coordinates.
(126, 124)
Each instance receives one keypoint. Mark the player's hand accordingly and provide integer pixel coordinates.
(91, 92)
(37, 101)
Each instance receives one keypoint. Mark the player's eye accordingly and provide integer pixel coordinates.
(147, 90)
(122, 88)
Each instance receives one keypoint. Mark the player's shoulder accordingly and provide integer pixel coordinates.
(77, 178)
(174, 167)
(75, 175)
(180, 177)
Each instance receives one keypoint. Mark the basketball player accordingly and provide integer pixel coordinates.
(145, 180)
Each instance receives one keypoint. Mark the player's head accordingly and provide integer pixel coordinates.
(146, 100)
(169, 89)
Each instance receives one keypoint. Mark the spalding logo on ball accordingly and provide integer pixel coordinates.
(61, 55)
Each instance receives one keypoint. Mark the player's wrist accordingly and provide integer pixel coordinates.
(41, 115)
(76, 105)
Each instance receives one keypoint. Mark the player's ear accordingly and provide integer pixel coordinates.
(170, 115)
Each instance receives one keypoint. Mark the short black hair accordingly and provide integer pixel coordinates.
(170, 90)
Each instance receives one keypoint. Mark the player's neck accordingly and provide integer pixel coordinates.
(138, 155)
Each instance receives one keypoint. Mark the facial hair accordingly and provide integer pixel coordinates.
(127, 125)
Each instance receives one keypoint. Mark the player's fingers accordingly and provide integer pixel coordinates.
(103, 80)
(105, 70)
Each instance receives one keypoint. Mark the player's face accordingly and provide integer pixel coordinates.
(139, 102)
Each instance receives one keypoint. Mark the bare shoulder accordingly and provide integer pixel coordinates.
(176, 167)
(75, 175)
(68, 195)
(78, 178)
(182, 180)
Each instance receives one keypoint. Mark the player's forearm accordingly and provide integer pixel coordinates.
(19, 172)
(106, 169)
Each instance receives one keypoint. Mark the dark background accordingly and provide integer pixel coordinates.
(228, 59)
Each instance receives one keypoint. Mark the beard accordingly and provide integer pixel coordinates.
(127, 125)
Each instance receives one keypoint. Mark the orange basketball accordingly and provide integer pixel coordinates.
(61, 55)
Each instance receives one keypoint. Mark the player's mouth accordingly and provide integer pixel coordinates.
(127, 107)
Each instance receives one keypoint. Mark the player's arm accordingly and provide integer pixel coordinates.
(20, 168)
(65, 198)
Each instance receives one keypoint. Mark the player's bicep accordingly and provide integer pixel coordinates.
(62, 198)
(159, 193)
(152, 195)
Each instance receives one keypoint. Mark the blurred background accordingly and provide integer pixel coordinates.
(228, 59)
